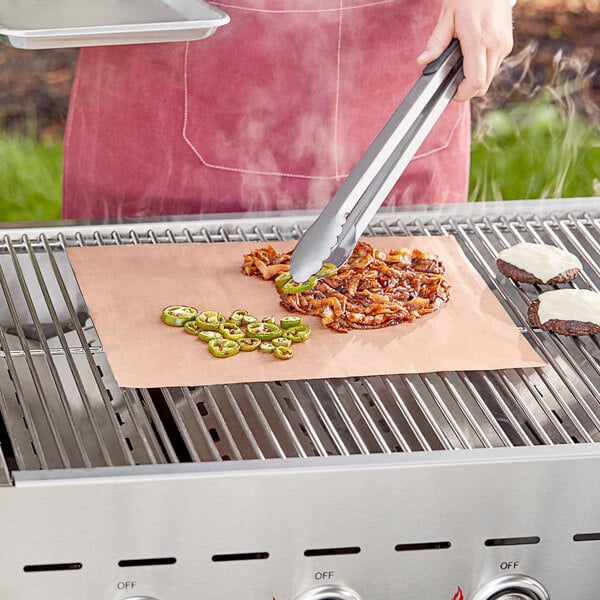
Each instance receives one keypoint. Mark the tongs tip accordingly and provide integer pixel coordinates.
(314, 248)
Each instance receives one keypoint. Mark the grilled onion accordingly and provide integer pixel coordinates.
(372, 290)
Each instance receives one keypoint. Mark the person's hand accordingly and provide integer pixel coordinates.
(484, 30)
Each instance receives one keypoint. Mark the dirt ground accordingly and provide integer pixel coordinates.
(549, 34)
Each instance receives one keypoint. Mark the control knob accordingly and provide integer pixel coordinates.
(329, 592)
(512, 587)
(512, 596)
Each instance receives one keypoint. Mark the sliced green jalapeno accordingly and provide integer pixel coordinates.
(281, 341)
(242, 331)
(287, 284)
(283, 352)
(298, 334)
(266, 347)
(327, 270)
(206, 336)
(248, 344)
(191, 327)
(178, 315)
(231, 331)
(293, 287)
(237, 316)
(222, 348)
(283, 278)
(290, 321)
(263, 331)
(209, 320)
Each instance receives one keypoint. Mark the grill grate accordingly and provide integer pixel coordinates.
(61, 408)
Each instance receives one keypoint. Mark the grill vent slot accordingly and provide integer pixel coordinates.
(240, 556)
(72, 566)
(586, 537)
(148, 562)
(422, 546)
(513, 541)
(332, 551)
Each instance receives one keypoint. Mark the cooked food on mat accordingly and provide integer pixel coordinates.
(538, 263)
(372, 290)
(567, 312)
(177, 315)
(241, 332)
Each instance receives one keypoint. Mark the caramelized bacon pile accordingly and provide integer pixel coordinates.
(370, 291)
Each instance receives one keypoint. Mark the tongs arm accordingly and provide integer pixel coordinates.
(334, 234)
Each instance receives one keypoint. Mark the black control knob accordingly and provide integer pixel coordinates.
(512, 587)
(329, 592)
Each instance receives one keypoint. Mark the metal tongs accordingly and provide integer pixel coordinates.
(333, 235)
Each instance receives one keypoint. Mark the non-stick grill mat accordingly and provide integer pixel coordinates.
(471, 332)
(61, 406)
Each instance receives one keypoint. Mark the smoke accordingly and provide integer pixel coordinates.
(535, 108)
(567, 81)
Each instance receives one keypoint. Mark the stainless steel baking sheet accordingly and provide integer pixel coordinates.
(38, 24)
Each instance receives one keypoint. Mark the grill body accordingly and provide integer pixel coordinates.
(419, 486)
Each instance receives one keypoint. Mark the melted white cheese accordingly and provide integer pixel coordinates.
(570, 305)
(541, 260)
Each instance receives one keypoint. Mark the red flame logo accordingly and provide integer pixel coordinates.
(457, 596)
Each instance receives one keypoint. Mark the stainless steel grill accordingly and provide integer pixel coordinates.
(62, 409)
(451, 485)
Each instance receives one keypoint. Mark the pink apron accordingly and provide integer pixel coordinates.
(271, 113)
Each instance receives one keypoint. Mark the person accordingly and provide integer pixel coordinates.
(274, 109)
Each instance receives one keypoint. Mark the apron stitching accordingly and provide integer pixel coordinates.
(224, 167)
(298, 10)
(337, 175)
(337, 93)
(446, 144)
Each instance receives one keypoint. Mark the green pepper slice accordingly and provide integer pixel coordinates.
(178, 315)
(237, 316)
(206, 336)
(293, 287)
(283, 278)
(191, 327)
(283, 352)
(326, 270)
(298, 334)
(209, 320)
(263, 331)
(290, 321)
(248, 344)
(231, 331)
(270, 319)
(222, 348)
(287, 284)
(266, 347)
(281, 341)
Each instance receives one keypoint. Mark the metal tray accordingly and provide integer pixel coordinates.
(39, 24)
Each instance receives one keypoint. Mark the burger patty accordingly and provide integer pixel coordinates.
(562, 327)
(509, 270)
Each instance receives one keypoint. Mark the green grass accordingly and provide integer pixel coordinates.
(30, 178)
(538, 149)
(535, 150)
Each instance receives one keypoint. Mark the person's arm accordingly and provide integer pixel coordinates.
(484, 29)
